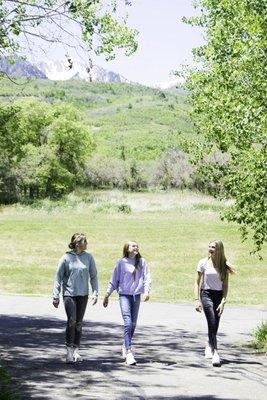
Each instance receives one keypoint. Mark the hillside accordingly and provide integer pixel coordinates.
(128, 121)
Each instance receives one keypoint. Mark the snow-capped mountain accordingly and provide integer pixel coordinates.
(58, 70)
(72, 69)
(19, 68)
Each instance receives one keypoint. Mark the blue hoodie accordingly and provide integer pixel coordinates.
(73, 273)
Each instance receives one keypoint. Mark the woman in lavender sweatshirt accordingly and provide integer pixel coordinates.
(130, 278)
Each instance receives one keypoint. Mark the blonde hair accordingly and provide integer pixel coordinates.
(75, 239)
(125, 253)
(220, 262)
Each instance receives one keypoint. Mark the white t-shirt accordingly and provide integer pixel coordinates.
(211, 277)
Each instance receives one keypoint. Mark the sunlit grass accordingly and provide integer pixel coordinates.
(173, 230)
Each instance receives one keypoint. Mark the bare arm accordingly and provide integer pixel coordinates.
(197, 287)
(220, 308)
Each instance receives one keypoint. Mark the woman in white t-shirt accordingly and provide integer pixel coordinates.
(210, 293)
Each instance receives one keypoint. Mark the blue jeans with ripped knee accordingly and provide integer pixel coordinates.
(129, 310)
(75, 308)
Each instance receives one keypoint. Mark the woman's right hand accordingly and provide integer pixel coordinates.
(198, 306)
(55, 303)
(105, 301)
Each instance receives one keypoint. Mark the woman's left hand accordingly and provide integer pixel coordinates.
(220, 309)
(146, 297)
(93, 300)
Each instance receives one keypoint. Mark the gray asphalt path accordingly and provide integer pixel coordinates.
(169, 345)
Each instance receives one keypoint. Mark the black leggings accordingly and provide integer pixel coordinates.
(210, 301)
(75, 309)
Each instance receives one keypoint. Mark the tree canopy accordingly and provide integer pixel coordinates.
(95, 24)
(44, 149)
(228, 95)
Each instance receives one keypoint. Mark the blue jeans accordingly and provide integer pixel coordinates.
(129, 310)
(210, 301)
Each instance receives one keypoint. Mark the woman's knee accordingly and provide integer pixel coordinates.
(128, 323)
(71, 322)
(79, 326)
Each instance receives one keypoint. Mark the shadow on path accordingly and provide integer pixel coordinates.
(33, 351)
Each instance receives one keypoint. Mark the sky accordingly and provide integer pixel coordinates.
(164, 42)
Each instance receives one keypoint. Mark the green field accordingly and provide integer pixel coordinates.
(172, 228)
(130, 124)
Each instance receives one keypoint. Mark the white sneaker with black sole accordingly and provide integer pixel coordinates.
(216, 362)
(76, 356)
(123, 352)
(69, 355)
(208, 352)
(130, 360)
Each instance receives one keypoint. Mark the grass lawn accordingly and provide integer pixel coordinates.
(172, 228)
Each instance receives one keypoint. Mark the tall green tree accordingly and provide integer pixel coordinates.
(44, 149)
(228, 97)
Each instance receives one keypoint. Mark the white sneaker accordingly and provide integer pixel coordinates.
(76, 356)
(216, 362)
(208, 352)
(130, 360)
(123, 352)
(69, 356)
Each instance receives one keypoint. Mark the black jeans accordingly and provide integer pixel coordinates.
(75, 309)
(210, 301)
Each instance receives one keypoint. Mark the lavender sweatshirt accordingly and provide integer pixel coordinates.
(125, 282)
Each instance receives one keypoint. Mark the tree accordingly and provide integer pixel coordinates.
(70, 139)
(228, 97)
(44, 149)
(75, 23)
(40, 174)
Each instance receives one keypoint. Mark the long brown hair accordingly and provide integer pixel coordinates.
(220, 262)
(125, 253)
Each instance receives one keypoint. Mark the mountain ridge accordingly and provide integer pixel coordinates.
(65, 69)
(19, 68)
(58, 70)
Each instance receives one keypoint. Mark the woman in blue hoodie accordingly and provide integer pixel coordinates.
(74, 270)
(130, 278)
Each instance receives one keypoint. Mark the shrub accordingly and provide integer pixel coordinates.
(124, 208)
(104, 172)
(6, 393)
(105, 207)
(134, 178)
(215, 162)
(210, 207)
(172, 171)
(260, 337)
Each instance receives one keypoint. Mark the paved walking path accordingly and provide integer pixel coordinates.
(169, 344)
